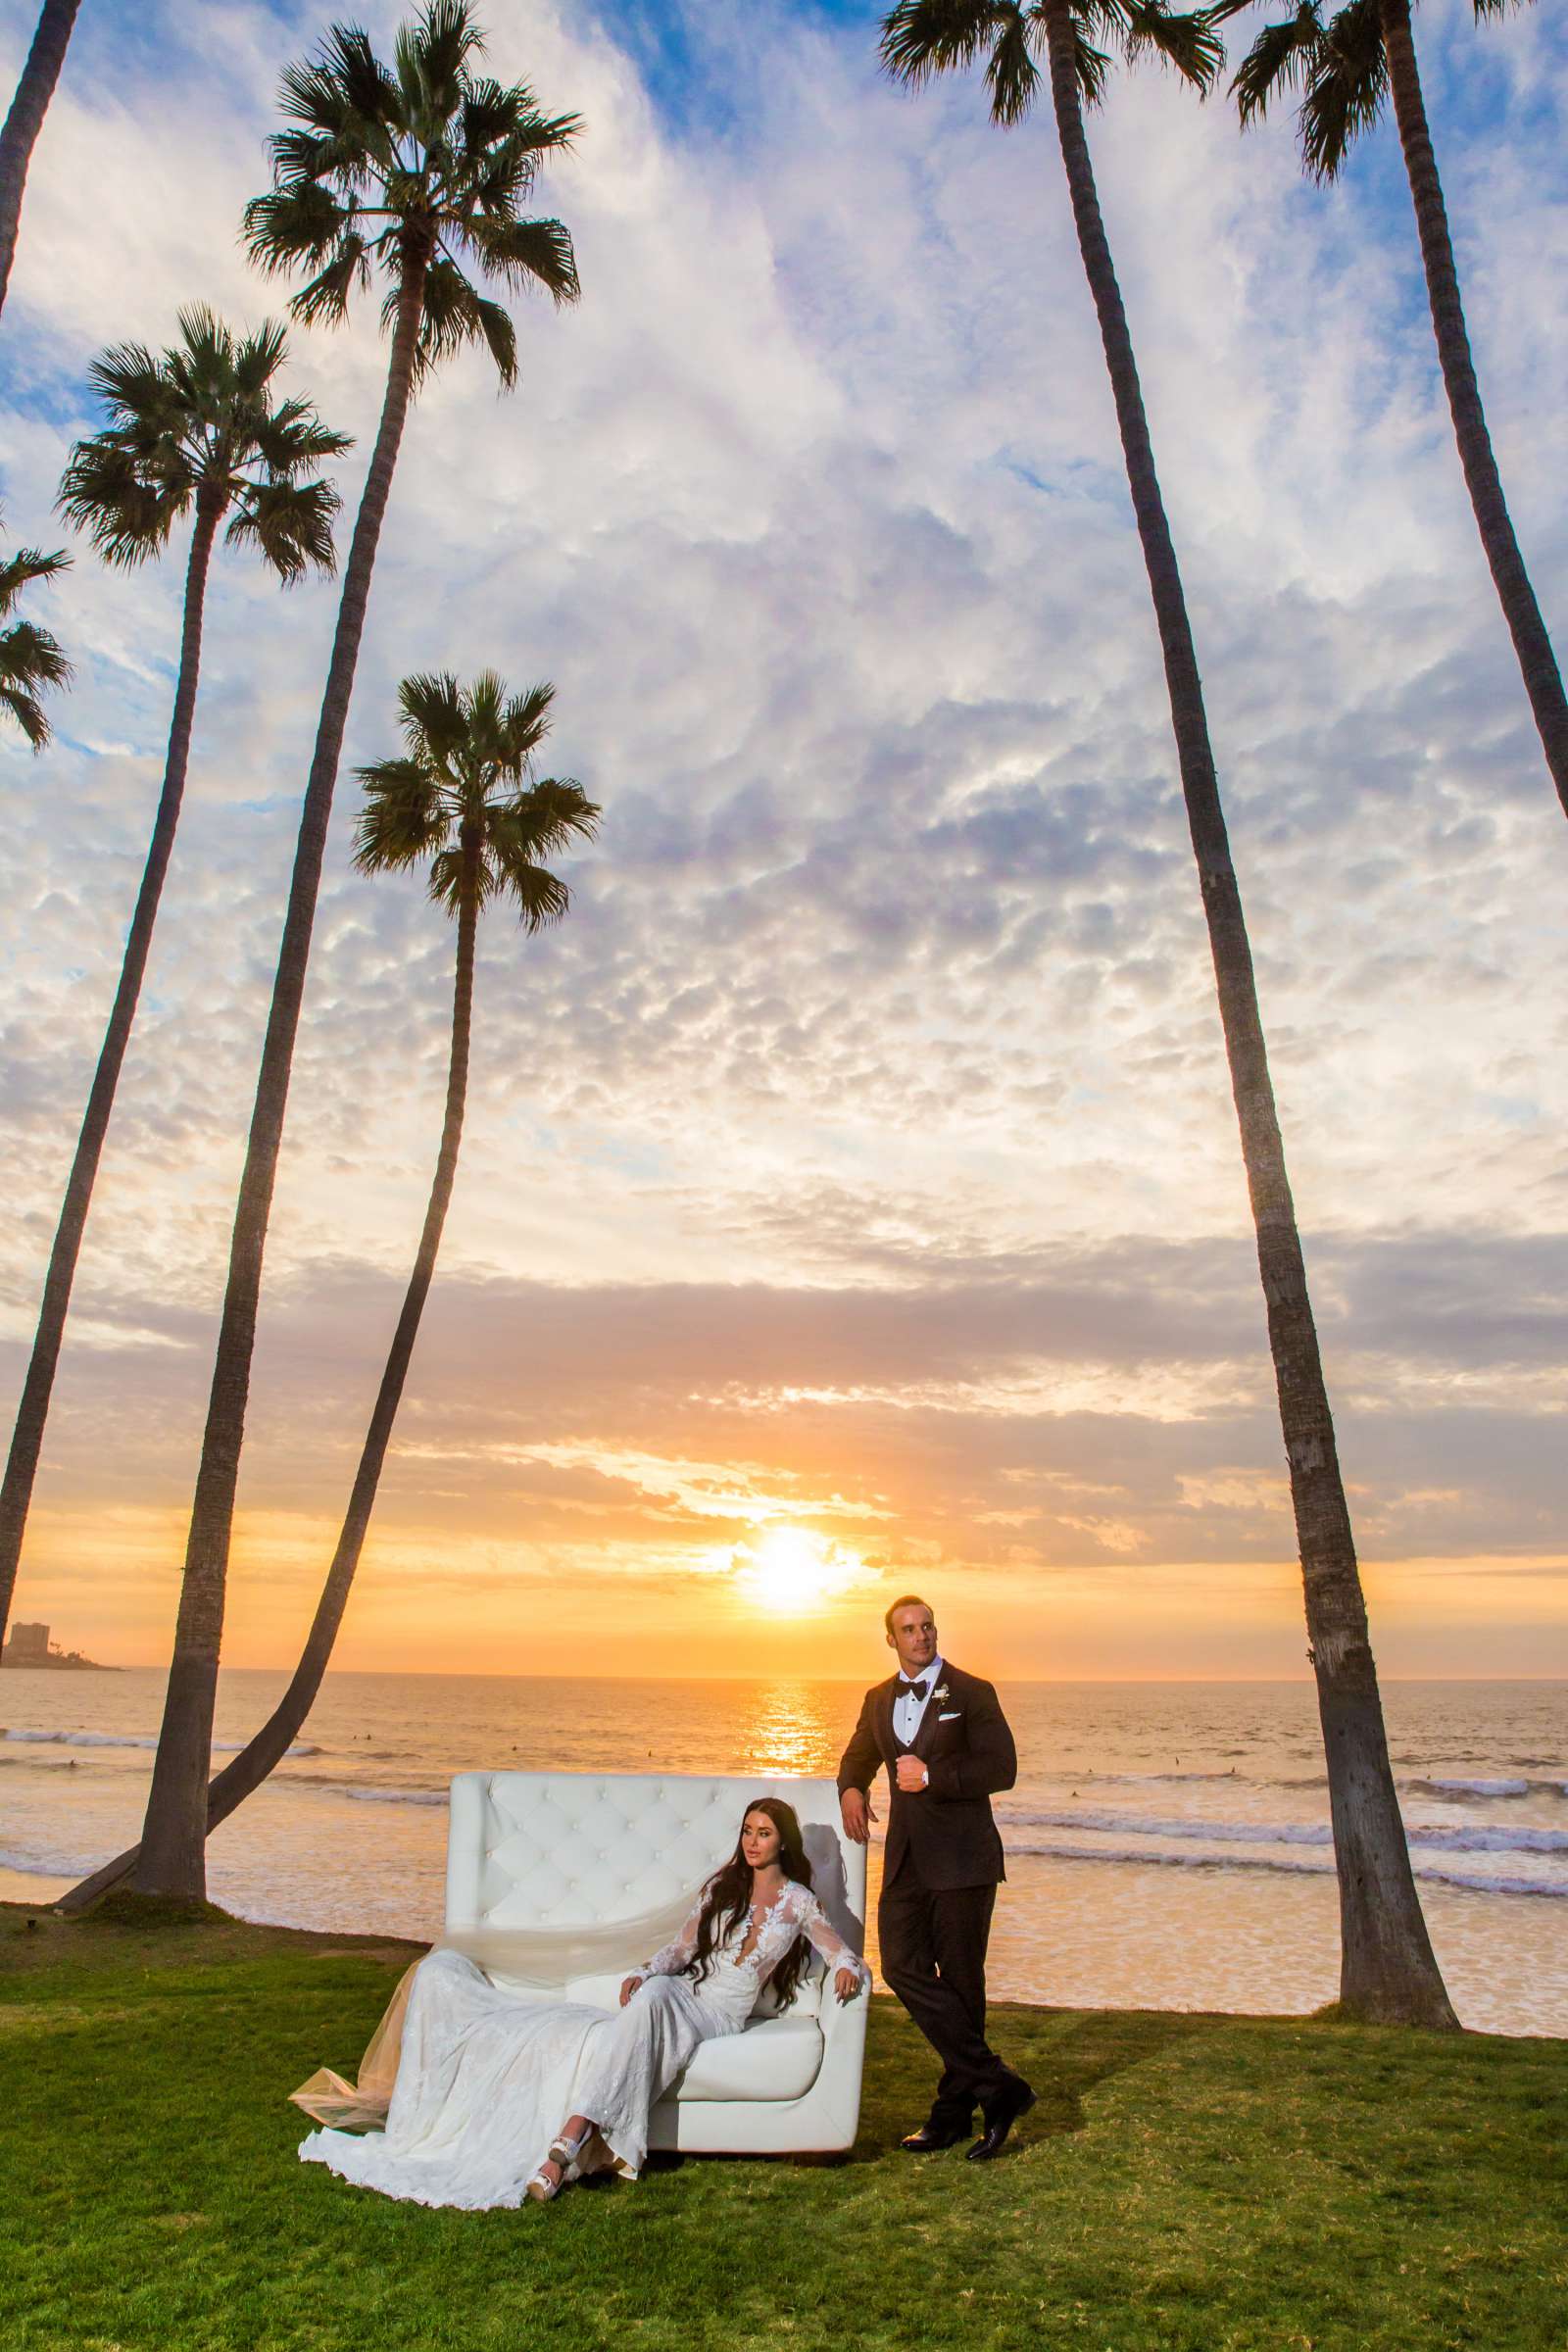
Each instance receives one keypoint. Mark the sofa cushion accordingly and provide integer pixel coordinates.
(774, 2058)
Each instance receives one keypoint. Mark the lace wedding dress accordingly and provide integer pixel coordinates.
(485, 2080)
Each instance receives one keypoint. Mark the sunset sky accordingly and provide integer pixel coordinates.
(850, 1197)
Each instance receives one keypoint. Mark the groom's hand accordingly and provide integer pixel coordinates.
(912, 1775)
(858, 1815)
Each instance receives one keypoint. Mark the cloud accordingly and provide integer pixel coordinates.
(873, 1097)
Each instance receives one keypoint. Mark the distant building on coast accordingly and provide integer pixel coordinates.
(31, 1646)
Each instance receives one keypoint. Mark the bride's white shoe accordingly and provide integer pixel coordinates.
(565, 2154)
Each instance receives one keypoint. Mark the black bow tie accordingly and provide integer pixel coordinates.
(911, 1690)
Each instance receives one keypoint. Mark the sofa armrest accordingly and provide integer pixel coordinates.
(842, 2021)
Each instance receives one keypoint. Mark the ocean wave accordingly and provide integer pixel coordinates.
(1457, 1838)
(1151, 1779)
(1517, 1840)
(1228, 1832)
(364, 1793)
(1468, 1881)
(1501, 1884)
(386, 1796)
(45, 1866)
(1438, 1788)
(220, 1748)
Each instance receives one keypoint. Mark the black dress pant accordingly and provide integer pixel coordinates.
(933, 1945)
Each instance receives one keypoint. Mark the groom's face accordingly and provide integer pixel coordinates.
(913, 1635)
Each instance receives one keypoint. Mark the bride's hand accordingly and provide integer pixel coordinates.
(628, 1989)
(846, 1983)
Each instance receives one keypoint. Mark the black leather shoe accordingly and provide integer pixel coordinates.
(932, 2136)
(1001, 2116)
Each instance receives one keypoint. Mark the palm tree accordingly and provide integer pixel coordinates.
(412, 172)
(24, 119)
(1346, 68)
(32, 663)
(1387, 1969)
(200, 432)
(464, 801)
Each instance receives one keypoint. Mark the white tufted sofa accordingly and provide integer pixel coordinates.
(541, 1849)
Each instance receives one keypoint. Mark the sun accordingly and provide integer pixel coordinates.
(790, 1570)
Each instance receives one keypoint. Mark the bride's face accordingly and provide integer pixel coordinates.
(760, 1840)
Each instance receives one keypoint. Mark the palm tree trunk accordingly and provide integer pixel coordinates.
(15, 1491)
(1388, 1970)
(173, 1860)
(246, 1771)
(24, 119)
(1536, 659)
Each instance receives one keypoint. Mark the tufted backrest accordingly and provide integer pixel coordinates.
(542, 1850)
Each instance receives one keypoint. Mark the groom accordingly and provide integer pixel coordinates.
(946, 1744)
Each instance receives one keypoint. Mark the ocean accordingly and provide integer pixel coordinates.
(1167, 1843)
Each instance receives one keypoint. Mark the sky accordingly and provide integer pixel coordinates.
(851, 1200)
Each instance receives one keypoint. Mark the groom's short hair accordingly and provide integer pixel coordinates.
(905, 1600)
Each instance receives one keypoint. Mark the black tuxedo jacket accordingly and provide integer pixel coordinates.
(946, 1828)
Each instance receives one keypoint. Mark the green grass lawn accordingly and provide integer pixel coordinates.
(1200, 2183)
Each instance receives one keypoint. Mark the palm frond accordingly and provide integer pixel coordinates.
(455, 313)
(297, 226)
(289, 524)
(1280, 58)
(403, 819)
(540, 896)
(292, 436)
(1092, 66)
(327, 295)
(433, 717)
(921, 39)
(127, 380)
(525, 721)
(1011, 76)
(126, 501)
(1346, 88)
(27, 712)
(526, 253)
(1183, 40)
(22, 569)
(258, 357)
(32, 662)
(550, 816)
(344, 90)
(431, 58)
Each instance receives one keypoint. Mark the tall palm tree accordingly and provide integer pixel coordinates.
(1346, 68)
(199, 431)
(32, 664)
(464, 801)
(415, 172)
(24, 119)
(1387, 1969)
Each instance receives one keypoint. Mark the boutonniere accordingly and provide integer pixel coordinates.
(942, 1693)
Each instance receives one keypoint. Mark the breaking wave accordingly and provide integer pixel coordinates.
(220, 1748)
(1457, 1838)
(1468, 1881)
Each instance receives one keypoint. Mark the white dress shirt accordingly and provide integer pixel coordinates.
(909, 1712)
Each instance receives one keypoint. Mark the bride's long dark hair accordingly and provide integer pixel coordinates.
(729, 1897)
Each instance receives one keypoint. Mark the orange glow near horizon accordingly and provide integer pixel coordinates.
(782, 1599)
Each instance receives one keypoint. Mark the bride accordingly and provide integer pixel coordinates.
(497, 2098)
